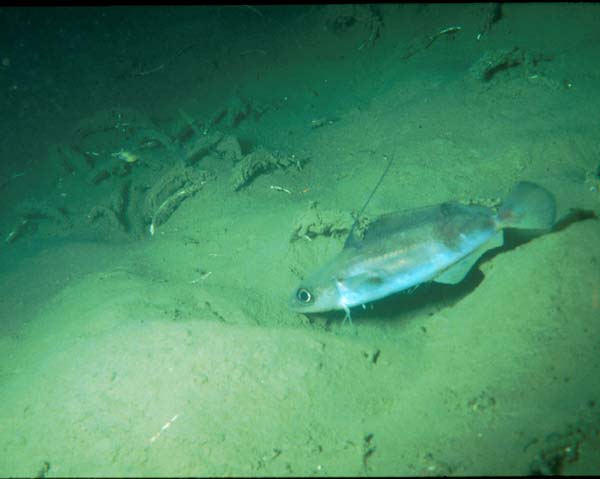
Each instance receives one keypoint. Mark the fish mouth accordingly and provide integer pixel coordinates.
(299, 306)
(296, 306)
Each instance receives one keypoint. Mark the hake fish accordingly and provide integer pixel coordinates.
(404, 249)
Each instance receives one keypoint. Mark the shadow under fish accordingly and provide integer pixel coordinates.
(404, 249)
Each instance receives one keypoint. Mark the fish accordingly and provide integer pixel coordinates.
(403, 249)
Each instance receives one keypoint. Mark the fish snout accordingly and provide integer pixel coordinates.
(306, 299)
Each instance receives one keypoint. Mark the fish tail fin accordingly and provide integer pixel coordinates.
(528, 206)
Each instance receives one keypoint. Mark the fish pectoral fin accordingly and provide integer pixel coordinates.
(456, 273)
(371, 278)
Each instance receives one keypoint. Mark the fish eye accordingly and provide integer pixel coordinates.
(304, 295)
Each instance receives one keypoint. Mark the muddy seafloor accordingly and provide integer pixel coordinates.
(169, 176)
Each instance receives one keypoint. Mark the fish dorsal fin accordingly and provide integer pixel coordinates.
(389, 224)
(353, 240)
(352, 234)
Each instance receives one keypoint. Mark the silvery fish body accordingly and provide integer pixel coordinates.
(404, 249)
